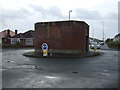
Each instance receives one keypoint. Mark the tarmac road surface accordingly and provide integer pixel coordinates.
(19, 71)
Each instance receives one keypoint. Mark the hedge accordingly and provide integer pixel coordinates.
(114, 44)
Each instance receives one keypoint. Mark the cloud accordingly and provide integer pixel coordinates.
(87, 14)
(25, 14)
(38, 9)
(11, 17)
(11, 14)
(48, 13)
(55, 11)
(14, 18)
(93, 15)
(113, 16)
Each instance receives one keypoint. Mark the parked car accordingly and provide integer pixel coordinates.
(95, 45)
(102, 43)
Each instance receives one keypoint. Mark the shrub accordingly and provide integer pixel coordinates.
(114, 44)
(17, 43)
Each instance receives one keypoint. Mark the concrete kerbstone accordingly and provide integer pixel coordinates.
(59, 55)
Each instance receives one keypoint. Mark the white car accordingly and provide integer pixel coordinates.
(95, 45)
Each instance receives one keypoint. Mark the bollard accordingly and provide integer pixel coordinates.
(50, 52)
(95, 49)
(45, 53)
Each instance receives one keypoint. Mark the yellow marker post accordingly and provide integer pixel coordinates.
(95, 49)
(45, 53)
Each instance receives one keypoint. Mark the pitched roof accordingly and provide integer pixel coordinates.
(118, 35)
(28, 34)
(4, 34)
(18, 36)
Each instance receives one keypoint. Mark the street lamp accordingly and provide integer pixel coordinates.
(93, 34)
(103, 30)
(69, 14)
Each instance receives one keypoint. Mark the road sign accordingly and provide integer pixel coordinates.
(45, 49)
(44, 46)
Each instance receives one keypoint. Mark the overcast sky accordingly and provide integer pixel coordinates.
(23, 14)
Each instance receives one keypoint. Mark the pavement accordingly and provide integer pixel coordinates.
(62, 55)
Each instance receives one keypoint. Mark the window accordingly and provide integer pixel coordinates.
(14, 40)
(29, 41)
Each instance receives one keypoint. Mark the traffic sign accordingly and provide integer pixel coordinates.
(44, 46)
(45, 49)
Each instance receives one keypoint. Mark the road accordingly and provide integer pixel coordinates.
(19, 71)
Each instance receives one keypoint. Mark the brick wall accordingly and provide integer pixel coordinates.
(62, 35)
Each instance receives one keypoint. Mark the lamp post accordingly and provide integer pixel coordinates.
(93, 33)
(103, 30)
(69, 14)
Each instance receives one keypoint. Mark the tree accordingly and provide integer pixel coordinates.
(109, 40)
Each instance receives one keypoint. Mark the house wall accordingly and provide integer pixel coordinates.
(23, 41)
(29, 41)
(6, 40)
(69, 35)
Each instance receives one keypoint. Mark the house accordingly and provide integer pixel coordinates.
(91, 40)
(117, 37)
(5, 35)
(24, 39)
(62, 36)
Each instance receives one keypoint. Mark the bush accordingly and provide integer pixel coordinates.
(109, 40)
(17, 43)
(114, 44)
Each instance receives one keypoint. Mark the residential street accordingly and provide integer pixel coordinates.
(19, 71)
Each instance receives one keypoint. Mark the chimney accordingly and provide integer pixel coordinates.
(16, 32)
(8, 33)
